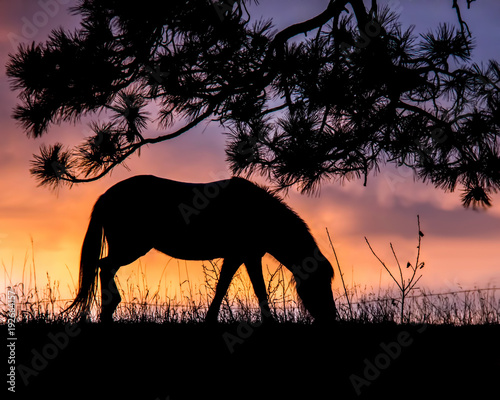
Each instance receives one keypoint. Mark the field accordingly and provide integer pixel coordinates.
(159, 348)
(289, 360)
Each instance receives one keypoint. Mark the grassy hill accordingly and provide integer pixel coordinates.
(160, 349)
(240, 361)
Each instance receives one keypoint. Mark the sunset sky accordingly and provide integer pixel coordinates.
(460, 247)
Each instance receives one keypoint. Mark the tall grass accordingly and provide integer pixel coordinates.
(189, 302)
(465, 307)
(142, 302)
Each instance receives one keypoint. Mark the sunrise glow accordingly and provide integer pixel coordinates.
(46, 227)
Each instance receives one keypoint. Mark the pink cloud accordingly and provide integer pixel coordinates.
(459, 244)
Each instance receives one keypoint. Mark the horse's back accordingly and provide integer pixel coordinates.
(148, 185)
(148, 188)
(185, 220)
(234, 201)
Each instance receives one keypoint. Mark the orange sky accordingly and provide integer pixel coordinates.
(460, 246)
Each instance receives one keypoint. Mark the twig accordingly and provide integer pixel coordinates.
(399, 265)
(341, 275)
(405, 287)
(383, 264)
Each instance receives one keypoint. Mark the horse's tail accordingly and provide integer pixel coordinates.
(92, 247)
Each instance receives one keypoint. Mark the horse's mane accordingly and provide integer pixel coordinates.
(277, 200)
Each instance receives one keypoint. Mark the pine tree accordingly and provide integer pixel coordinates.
(355, 92)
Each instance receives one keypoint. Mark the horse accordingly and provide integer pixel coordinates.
(233, 219)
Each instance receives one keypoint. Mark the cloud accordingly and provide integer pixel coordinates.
(377, 211)
(385, 209)
(26, 21)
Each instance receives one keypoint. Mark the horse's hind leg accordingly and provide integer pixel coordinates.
(110, 296)
(119, 254)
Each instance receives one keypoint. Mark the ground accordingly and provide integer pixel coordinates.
(240, 361)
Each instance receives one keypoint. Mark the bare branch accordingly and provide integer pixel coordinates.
(383, 264)
(463, 24)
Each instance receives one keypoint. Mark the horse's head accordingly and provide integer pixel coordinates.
(313, 280)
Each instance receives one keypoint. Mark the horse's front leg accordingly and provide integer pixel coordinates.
(227, 271)
(254, 268)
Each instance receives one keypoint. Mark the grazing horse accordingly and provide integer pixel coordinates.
(232, 219)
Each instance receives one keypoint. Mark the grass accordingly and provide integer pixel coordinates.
(442, 343)
(359, 304)
(404, 303)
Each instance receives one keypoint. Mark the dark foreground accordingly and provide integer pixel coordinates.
(281, 361)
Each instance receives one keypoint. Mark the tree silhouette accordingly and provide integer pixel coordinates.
(354, 93)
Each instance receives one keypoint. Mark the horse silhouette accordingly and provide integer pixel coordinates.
(232, 219)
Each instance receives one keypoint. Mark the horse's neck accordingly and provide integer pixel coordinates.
(293, 249)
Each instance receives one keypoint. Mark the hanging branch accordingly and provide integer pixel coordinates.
(357, 93)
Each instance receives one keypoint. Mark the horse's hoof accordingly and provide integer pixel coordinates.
(210, 321)
(106, 320)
